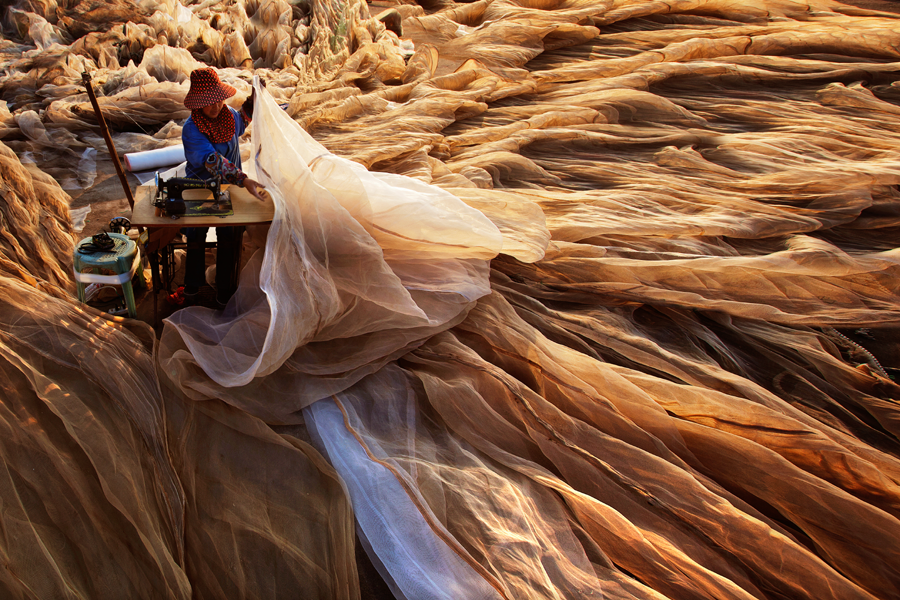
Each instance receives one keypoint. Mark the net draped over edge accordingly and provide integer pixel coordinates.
(358, 267)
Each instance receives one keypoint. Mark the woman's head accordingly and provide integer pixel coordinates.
(207, 92)
(212, 110)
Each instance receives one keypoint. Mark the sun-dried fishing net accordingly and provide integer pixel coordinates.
(562, 299)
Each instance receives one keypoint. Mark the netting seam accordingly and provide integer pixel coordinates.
(871, 356)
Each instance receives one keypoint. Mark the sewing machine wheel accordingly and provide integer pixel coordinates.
(119, 225)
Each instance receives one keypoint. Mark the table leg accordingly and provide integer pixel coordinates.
(238, 253)
(158, 246)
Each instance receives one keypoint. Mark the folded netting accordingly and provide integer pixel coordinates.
(444, 520)
(36, 235)
(115, 487)
(662, 487)
(358, 268)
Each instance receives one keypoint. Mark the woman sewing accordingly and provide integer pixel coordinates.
(210, 137)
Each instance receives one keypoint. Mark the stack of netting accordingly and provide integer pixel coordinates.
(580, 299)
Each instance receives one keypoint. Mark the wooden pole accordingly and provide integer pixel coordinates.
(86, 78)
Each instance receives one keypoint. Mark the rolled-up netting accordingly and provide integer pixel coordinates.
(154, 159)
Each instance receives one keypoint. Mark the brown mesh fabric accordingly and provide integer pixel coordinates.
(563, 299)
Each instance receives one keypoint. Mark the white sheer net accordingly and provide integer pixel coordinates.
(358, 268)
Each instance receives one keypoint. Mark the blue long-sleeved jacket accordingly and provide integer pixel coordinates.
(197, 146)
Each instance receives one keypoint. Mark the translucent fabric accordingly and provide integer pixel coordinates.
(113, 486)
(358, 267)
(413, 558)
(550, 411)
(564, 299)
(36, 240)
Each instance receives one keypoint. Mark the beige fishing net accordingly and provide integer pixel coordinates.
(562, 299)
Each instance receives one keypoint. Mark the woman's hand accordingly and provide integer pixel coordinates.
(255, 188)
(247, 106)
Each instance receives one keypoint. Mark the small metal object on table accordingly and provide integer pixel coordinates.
(163, 230)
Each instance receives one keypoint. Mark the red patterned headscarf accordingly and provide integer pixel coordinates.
(219, 130)
(207, 89)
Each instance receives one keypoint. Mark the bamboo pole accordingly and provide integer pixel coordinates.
(86, 79)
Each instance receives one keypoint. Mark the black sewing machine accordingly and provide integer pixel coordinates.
(170, 193)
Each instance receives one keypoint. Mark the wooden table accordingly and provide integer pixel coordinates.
(162, 229)
(248, 210)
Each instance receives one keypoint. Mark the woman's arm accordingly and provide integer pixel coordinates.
(219, 166)
(246, 111)
(216, 163)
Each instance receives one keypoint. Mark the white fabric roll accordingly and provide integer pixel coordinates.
(152, 159)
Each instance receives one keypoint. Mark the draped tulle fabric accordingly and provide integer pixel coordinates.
(357, 269)
(562, 299)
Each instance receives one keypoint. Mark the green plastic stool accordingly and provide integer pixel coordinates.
(123, 259)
